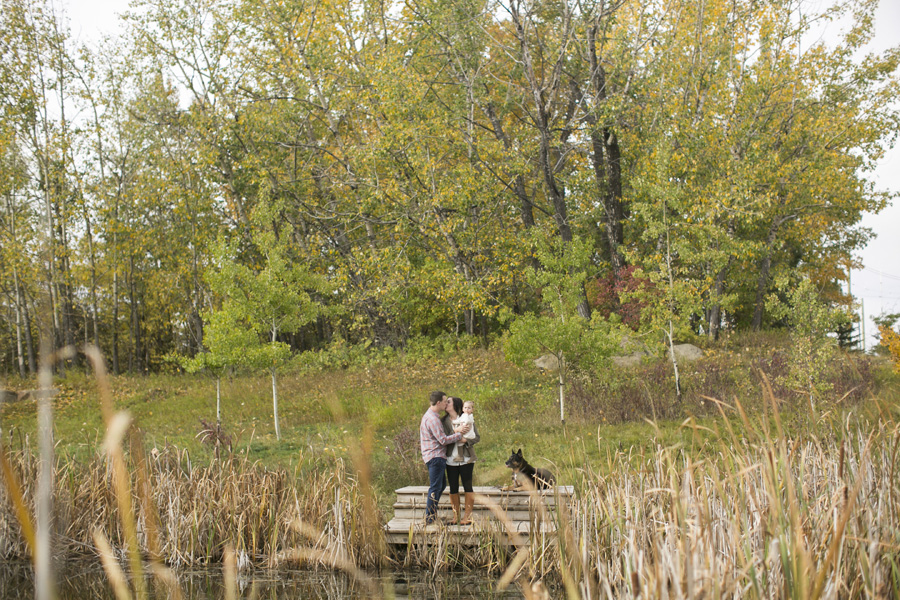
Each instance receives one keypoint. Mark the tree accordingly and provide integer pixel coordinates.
(560, 330)
(260, 304)
(769, 142)
(403, 150)
(890, 339)
(810, 320)
(35, 95)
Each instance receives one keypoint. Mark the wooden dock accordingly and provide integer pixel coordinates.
(511, 516)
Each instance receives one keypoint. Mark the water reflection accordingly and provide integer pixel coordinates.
(82, 581)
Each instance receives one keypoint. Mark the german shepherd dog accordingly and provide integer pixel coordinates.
(541, 479)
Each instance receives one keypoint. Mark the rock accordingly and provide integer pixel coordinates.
(14, 396)
(632, 360)
(547, 362)
(686, 352)
(630, 346)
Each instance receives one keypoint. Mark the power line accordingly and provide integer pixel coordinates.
(882, 273)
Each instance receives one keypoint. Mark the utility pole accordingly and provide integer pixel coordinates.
(862, 322)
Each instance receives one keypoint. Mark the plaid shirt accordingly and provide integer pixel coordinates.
(432, 437)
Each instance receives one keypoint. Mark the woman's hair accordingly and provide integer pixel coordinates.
(457, 405)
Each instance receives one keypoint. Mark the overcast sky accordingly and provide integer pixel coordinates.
(876, 286)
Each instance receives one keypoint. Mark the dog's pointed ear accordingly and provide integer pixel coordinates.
(519, 452)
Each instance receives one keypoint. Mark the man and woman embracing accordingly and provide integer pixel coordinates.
(447, 445)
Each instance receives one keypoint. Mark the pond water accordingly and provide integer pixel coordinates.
(84, 581)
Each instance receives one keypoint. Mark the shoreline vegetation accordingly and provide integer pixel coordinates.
(242, 241)
(764, 497)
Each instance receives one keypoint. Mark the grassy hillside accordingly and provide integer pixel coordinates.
(791, 499)
(326, 414)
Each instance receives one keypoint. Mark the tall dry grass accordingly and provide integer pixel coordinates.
(143, 512)
(198, 510)
(762, 516)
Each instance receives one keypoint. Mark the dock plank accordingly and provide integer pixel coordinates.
(524, 513)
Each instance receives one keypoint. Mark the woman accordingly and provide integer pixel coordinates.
(460, 463)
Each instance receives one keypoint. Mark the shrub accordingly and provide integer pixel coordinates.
(342, 355)
(403, 460)
(617, 395)
(608, 296)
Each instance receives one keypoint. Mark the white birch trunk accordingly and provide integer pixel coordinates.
(562, 388)
(275, 405)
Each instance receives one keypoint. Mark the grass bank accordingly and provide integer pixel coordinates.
(735, 486)
(323, 411)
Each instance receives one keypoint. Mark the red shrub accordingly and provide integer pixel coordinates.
(605, 295)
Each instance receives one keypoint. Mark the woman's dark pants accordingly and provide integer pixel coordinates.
(462, 471)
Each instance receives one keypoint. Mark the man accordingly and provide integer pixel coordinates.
(434, 441)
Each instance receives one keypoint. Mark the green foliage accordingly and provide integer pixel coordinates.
(340, 354)
(743, 368)
(559, 329)
(421, 348)
(381, 180)
(257, 306)
(810, 321)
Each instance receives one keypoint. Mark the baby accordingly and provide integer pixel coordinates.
(467, 418)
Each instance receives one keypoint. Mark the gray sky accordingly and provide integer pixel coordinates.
(876, 286)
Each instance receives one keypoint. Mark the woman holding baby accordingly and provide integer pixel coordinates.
(461, 456)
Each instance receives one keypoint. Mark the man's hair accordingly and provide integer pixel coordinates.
(436, 397)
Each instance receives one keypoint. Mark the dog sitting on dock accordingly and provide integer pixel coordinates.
(541, 479)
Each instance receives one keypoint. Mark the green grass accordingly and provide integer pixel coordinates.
(324, 415)
(652, 495)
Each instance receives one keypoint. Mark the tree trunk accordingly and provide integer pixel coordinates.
(275, 403)
(762, 282)
(195, 320)
(29, 337)
(546, 163)
(607, 162)
(101, 157)
(115, 290)
(715, 312)
(218, 401)
(562, 388)
(20, 356)
(135, 361)
(714, 317)
(51, 246)
(65, 275)
(671, 341)
(526, 208)
(93, 265)
(17, 291)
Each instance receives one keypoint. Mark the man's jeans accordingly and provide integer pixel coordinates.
(436, 467)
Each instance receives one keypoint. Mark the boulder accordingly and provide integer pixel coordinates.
(685, 352)
(632, 360)
(630, 346)
(547, 362)
(14, 396)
